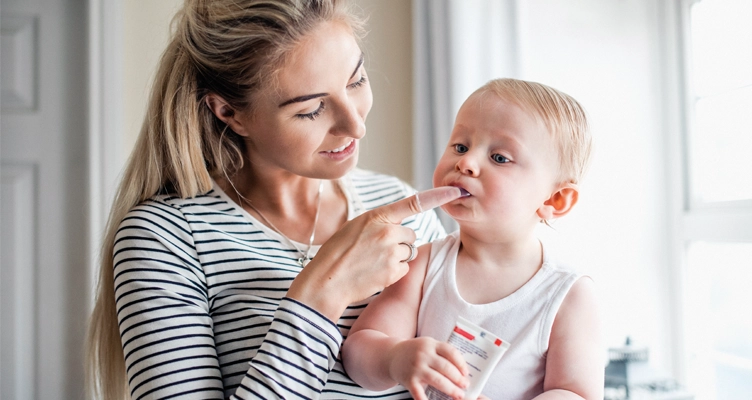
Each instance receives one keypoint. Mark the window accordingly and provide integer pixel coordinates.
(720, 83)
(720, 333)
(715, 226)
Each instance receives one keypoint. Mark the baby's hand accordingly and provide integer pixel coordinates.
(416, 363)
(482, 397)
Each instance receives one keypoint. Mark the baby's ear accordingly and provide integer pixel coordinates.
(560, 203)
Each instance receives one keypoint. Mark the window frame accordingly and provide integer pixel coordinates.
(689, 220)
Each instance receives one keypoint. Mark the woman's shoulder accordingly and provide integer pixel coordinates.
(376, 189)
(175, 210)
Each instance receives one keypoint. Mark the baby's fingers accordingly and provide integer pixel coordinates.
(455, 367)
(416, 390)
(439, 380)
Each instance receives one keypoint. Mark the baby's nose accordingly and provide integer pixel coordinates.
(466, 166)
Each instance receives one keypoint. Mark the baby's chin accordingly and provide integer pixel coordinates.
(457, 212)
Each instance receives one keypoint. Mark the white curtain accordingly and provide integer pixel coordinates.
(458, 45)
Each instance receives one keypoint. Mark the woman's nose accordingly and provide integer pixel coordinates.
(349, 121)
(467, 166)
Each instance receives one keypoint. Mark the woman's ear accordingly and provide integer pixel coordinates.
(222, 110)
(560, 202)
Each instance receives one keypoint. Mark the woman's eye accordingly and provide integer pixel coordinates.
(312, 115)
(460, 148)
(498, 158)
(358, 83)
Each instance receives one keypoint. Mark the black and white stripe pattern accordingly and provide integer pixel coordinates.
(200, 288)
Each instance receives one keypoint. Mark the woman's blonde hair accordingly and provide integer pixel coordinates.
(562, 116)
(231, 48)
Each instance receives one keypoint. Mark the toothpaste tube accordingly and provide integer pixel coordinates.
(481, 349)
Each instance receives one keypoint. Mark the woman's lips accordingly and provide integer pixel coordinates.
(341, 153)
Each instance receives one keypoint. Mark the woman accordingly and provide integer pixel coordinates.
(244, 167)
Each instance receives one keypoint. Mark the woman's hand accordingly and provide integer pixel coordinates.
(416, 363)
(365, 256)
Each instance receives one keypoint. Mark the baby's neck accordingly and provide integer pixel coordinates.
(491, 270)
(501, 252)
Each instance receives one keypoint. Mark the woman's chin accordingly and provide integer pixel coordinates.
(341, 169)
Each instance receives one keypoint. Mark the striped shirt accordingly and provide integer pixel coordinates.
(200, 288)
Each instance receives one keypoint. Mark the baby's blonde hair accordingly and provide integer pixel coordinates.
(562, 116)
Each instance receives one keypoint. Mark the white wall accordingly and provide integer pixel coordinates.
(146, 26)
(606, 55)
(388, 143)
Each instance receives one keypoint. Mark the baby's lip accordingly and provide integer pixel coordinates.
(463, 191)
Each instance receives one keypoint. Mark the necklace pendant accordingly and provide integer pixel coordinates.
(303, 261)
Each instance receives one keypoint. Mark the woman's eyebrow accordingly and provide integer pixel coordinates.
(360, 63)
(307, 97)
(303, 98)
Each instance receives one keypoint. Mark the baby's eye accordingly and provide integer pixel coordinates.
(498, 158)
(460, 148)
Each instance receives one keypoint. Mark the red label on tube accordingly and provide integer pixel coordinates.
(463, 333)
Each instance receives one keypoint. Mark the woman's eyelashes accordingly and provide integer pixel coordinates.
(322, 106)
(314, 114)
(358, 83)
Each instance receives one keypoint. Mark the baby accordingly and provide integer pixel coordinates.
(517, 151)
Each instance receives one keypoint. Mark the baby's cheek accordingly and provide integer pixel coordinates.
(442, 169)
(437, 175)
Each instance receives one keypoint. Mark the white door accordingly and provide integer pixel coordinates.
(44, 284)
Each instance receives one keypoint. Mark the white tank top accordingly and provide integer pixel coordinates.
(524, 318)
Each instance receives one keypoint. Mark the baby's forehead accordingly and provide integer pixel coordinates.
(500, 114)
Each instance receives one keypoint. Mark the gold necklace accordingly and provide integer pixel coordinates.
(305, 256)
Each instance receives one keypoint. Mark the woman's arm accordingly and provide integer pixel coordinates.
(575, 363)
(168, 333)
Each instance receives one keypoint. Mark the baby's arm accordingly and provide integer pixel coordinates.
(575, 363)
(381, 349)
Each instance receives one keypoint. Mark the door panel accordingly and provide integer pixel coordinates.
(43, 147)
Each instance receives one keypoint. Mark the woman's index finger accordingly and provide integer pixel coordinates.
(418, 203)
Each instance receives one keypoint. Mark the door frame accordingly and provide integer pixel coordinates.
(106, 133)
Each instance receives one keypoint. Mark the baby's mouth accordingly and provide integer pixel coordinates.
(464, 192)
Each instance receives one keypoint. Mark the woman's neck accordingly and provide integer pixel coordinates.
(288, 201)
(281, 193)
